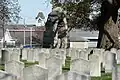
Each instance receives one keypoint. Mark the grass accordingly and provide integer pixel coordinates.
(104, 76)
(27, 64)
(2, 67)
(66, 68)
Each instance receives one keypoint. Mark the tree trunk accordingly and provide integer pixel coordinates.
(110, 35)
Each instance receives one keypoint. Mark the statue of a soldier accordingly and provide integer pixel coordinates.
(56, 29)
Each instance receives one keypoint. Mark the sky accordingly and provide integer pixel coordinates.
(30, 9)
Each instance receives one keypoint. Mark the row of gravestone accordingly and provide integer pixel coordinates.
(85, 63)
(49, 68)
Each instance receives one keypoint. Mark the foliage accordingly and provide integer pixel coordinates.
(9, 11)
(78, 13)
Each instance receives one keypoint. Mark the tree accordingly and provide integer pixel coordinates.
(9, 12)
(77, 12)
(106, 21)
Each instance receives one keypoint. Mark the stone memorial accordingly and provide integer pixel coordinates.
(81, 66)
(30, 55)
(5, 56)
(35, 72)
(24, 53)
(36, 54)
(15, 68)
(15, 56)
(109, 61)
(118, 56)
(72, 76)
(95, 65)
(54, 66)
(118, 72)
(42, 60)
(7, 76)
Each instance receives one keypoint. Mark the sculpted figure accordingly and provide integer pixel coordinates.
(56, 29)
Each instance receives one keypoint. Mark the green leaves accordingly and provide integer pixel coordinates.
(9, 11)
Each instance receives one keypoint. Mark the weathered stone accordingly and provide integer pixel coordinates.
(109, 61)
(118, 56)
(15, 68)
(74, 54)
(30, 55)
(42, 60)
(63, 55)
(7, 76)
(35, 72)
(72, 76)
(36, 54)
(95, 65)
(5, 56)
(81, 66)
(15, 56)
(118, 72)
(54, 66)
(24, 53)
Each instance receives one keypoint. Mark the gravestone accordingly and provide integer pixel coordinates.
(114, 68)
(5, 56)
(72, 76)
(81, 66)
(54, 66)
(35, 72)
(95, 65)
(30, 55)
(36, 54)
(83, 54)
(24, 53)
(109, 61)
(74, 54)
(118, 72)
(46, 51)
(15, 68)
(15, 56)
(7, 76)
(118, 56)
(63, 55)
(42, 60)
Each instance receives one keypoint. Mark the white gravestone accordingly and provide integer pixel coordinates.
(15, 68)
(74, 54)
(5, 56)
(109, 61)
(46, 51)
(7, 76)
(30, 55)
(42, 60)
(114, 68)
(35, 72)
(15, 56)
(81, 66)
(54, 66)
(83, 54)
(95, 65)
(72, 76)
(118, 72)
(118, 56)
(63, 55)
(24, 53)
(36, 54)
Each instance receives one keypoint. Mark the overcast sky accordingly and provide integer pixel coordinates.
(30, 8)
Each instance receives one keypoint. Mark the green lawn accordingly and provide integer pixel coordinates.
(29, 63)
